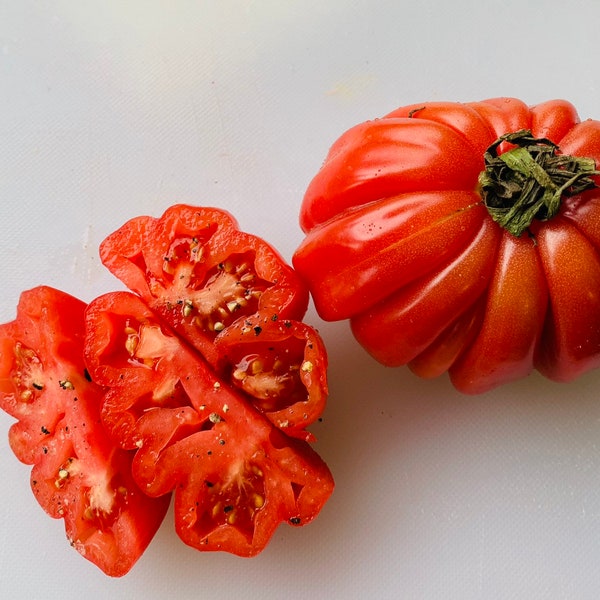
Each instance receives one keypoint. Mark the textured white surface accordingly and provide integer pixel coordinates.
(113, 109)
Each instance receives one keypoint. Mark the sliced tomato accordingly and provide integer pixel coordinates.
(236, 477)
(78, 474)
(200, 273)
(136, 358)
(234, 299)
(281, 366)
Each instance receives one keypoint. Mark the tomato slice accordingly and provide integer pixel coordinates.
(136, 358)
(78, 474)
(281, 366)
(201, 274)
(235, 475)
(235, 478)
(234, 299)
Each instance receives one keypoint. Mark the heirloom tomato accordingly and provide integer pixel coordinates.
(232, 297)
(236, 476)
(462, 237)
(200, 380)
(212, 377)
(78, 473)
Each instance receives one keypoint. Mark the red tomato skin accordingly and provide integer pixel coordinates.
(444, 351)
(367, 253)
(462, 118)
(59, 433)
(503, 115)
(364, 166)
(385, 189)
(570, 344)
(399, 328)
(553, 120)
(516, 303)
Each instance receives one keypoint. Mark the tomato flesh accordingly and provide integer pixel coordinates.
(201, 274)
(77, 473)
(233, 474)
(199, 383)
(230, 295)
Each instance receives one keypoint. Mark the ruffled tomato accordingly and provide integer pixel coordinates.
(462, 238)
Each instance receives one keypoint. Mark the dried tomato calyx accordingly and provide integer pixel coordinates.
(529, 181)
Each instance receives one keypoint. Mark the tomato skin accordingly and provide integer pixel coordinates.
(236, 477)
(570, 344)
(363, 166)
(397, 329)
(77, 473)
(515, 310)
(366, 254)
(384, 240)
(554, 120)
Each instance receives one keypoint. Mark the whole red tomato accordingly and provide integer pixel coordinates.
(462, 238)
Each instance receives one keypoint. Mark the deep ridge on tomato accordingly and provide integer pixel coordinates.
(386, 249)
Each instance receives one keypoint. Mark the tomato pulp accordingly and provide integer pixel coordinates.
(199, 383)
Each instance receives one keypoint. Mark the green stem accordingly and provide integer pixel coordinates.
(529, 181)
